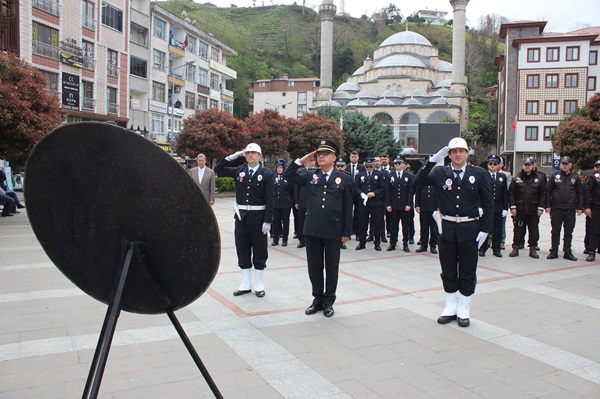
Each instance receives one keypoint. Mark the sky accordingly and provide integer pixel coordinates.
(562, 16)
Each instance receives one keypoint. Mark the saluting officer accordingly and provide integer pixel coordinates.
(370, 187)
(460, 188)
(301, 200)
(527, 199)
(500, 191)
(426, 203)
(591, 205)
(253, 215)
(328, 222)
(399, 192)
(283, 192)
(565, 198)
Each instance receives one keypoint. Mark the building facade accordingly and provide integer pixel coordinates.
(543, 77)
(434, 17)
(290, 97)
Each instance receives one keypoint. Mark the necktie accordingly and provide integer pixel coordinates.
(352, 170)
(368, 176)
(457, 173)
(250, 173)
(494, 177)
(325, 177)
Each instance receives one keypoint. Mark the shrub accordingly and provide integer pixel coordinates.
(224, 184)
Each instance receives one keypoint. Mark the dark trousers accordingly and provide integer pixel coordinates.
(323, 254)
(558, 218)
(411, 223)
(296, 224)
(398, 216)
(9, 204)
(301, 219)
(251, 245)
(428, 225)
(496, 233)
(356, 218)
(521, 223)
(281, 223)
(594, 230)
(374, 212)
(385, 221)
(459, 265)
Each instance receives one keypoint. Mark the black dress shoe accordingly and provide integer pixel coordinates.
(328, 310)
(314, 308)
(463, 322)
(521, 246)
(15, 211)
(377, 248)
(498, 254)
(369, 238)
(391, 248)
(344, 247)
(419, 242)
(586, 251)
(20, 206)
(405, 248)
(275, 243)
(411, 241)
(260, 294)
(569, 256)
(537, 248)
(552, 255)
(301, 245)
(433, 250)
(383, 239)
(360, 246)
(8, 214)
(482, 253)
(421, 249)
(241, 292)
(295, 235)
(446, 319)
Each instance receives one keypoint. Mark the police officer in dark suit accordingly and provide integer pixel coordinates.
(565, 199)
(283, 192)
(527, 199)
(460, 188)
(591, 206)
(254, 212)
(354, 168)
(370, 186)
(301, 200)
(328, 222)
(426, 204)
(500, 190)
(399, 201)
(384, 220)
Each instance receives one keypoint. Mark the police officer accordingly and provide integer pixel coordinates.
(328, 222)
(588, 219)
(591, 205)
(370, 186)
(399, 192)
(354, 168)
(301, 200)
(527, 199)
(283, 192)
(460, 188)
(254, 212)
(426, 204)
(565, 198)
(500, 191)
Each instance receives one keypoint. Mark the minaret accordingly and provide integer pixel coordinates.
(327, 11)
(458, 45)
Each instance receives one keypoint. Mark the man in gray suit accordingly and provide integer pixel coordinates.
(204, 178)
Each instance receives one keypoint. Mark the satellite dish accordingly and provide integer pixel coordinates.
(184, 13)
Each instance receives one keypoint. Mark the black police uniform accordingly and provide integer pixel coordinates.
(328, 219)
(251, 194)
(354, 169)
(399, 193)
(565, 197)
(301, 198)
(427, 202)
(591, 200)
(500, 192)
(283, 192)
(385, 219)
(365, 184)
(459, 202)
(527, 195)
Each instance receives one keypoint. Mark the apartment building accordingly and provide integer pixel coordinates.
(543, 77)
(434, 17)
(291, 97)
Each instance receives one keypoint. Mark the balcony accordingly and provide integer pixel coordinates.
(88, 103)
(88, 22)
(46, 50)
(112, 108)
(112, 70)
(139, 18)
(50, 6)
(89, 63)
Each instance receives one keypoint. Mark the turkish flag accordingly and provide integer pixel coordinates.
(186, 41)
(514, 124)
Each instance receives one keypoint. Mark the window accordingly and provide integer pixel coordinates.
(591, 83)
(158, 91)
(547, 160)
(159, 28)
(88, 95)
(553, 54)
(203, 50)
(549, 132)
(593, 57)
(202, 103)
(551, 81)
(191, 44)
(87, 15)
(283, 94)
(51, 82)
(203, 77)
(227, 107)
(533, 55)
(532, 107)
(214, 54)
(531, 133)
(573, 53)
(214, 81)
(112, 100)
(112, 17)
(291, 83)
(159, 60)
(190, 72)
(570, 106)
(157, 123)
(571, 80)
(301, 110)
(533, 81)
(113, 63)
(138, 67)
(190, 100)
(88, 55)
(45, 40)
(214, 104)
(262, 84)
(551, 107)
(301, 97)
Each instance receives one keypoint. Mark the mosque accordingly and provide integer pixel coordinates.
(405, 83)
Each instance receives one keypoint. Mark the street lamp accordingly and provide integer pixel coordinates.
(171, 116)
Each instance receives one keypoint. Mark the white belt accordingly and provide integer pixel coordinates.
(458, 219)
(252, 207)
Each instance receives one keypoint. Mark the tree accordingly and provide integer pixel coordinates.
(28, 112)
(311, 128)
(368, 136)
(271, 131)
(213, 133)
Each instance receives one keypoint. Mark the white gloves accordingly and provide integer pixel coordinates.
(266, 227)
(365, 198)
(440, 155)
(481, 237)
(480, 211)
(235, 156)
(504, 213)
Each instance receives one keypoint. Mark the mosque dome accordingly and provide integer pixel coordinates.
(384, 102)
(365, 94)
(357, 103)
(440, 93)
(444, 83)
(400, 60)
(391, 93)
(444, 66)
(441, 101)
(341, 95)
(405, 37)
(359, 71)
(417, 93)
(348, 86)
(412, 101)
(330, 103)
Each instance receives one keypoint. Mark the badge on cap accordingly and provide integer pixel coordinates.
(472, 179)
(338, 180)
(322, 141)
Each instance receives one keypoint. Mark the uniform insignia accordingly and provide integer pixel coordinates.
(259, 177)
(406, 179)
(362, 179)
(338, 180)
(315, 179)
(472, 179)
(448, 185)
(392, 180)
(519, 180)
(322, 141)
(242, 174)
(597, 175)
(500, 179)
(573, 180)
(557, 178)
(534, 180)
(376, 177)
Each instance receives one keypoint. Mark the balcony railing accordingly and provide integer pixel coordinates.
(112, 108)
(88, 103)
(112, 70)
(88, 22)
(50, 6)
(47, 50)
(89, 63)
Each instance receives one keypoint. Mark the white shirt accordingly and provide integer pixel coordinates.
(200, 174)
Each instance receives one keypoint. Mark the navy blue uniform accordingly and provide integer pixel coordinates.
(427, 202)
(376, 185)
(500, 192)
(565, 197)
(251, 195)
(458, 204)
(283, 192)
(399, 193)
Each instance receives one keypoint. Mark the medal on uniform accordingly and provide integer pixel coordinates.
(338, 180)
(406, 179)
(362, 179)
(534, 180)
(557, 178)
(376, 177)
(392, 180)
(597, 175)
(241, 176)
(518, 180)
(572, 180)
(315, 179)
(259, 177)
(472, 179)
(500, 180)
(448, 185)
